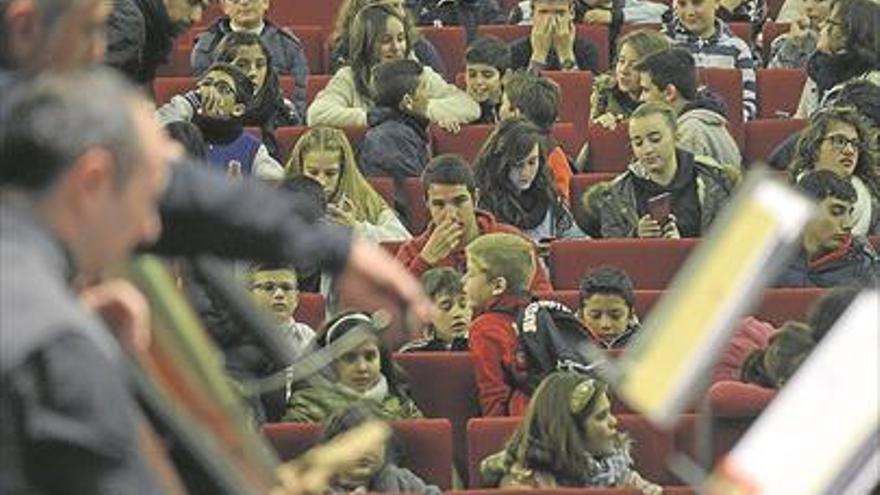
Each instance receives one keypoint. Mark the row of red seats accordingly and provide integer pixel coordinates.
(776, 306)
(451, 42)
(778, 94)
(428, 445)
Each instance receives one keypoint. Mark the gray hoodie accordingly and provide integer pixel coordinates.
(703, 131)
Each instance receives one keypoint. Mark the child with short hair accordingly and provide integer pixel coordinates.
(607, 307)
(217, 106)
(499, 268)
(396, 144)
(448, 330)
(487, 60)
(697, 28)
(537, 99)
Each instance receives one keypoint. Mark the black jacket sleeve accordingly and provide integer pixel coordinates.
(203, 212)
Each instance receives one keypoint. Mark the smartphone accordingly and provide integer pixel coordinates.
(659, 207)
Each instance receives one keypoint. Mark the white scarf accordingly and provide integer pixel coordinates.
(377, 393)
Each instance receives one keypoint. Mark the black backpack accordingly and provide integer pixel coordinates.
(552, 338)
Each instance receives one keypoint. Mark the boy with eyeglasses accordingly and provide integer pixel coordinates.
(274, 288)
(216, 106)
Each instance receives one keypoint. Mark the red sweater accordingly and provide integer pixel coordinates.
(410, 253)
(493, 346)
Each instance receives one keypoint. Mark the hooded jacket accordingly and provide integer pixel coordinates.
(611, 208)
(854, 263)
(702, 130)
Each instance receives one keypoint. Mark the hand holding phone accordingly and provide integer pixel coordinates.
(660, 207)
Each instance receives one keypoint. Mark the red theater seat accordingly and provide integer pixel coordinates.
(415, 205)
(426, 443)
(384, 186)
(314, 85)
(609, 150)
(779, 92)
(574, 105)
(764, 135)
(728, 84)
(651, 447)
(730, 399)
(443, 385)
(470, 139)
(313, 39)
(742, 30)
(651, 263)
(581, 182)
(311, 310)
(769, 32)
(451, 42)
(304, 12)
(178, 63)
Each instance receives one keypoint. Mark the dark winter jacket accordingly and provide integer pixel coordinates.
(140, 37)
(613, 208)
(855, 263)
(395, 145)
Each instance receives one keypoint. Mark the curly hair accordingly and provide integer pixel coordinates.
(807, 150)
(508, 145)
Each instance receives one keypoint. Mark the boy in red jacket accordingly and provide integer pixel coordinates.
(499, 267)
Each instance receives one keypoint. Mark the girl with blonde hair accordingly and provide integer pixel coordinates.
(325, 155)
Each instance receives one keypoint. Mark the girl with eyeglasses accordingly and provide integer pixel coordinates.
(567, 438)
(836, 140)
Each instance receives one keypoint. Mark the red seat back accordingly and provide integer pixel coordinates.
(166, 87)
(451, 43)
(581, 182)
(443, 385)
(575, 88)
(426, 445)
(609, 150)
(769, 32)
(415, 205)
(728, 84)
(779, 92)
(178, 63)
(304, 12)
(313, 39)
(384, 186)
(764, 135)
(466, 143)
(314, 85)
(650, 263)
(311, 310)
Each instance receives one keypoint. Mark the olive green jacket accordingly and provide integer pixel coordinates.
(316, 404)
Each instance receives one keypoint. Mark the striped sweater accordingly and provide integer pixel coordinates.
(723, 49)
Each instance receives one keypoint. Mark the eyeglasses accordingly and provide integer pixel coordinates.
(271, 287)
(840, 142)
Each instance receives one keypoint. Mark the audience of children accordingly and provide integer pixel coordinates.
(340, 40)
(325, 155)
(666, 192)
(377, 472)
(697, 28)
(448, 330)
(516, 185)
(396, 144)
(607, 307)
(612, 13)
(378, 34)
(487, 60)
(837, 139)
(670, 76)
(616, 94)
(567, 439)
(285, 51)
(217, 106)
(450, 197)
(365, 373)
